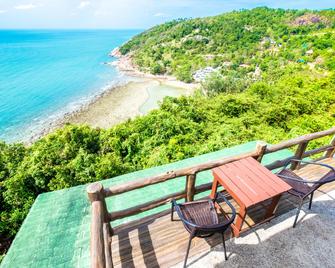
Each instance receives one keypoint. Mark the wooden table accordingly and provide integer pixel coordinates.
(249, 183)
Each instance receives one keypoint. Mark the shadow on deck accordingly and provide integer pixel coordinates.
(158, 242)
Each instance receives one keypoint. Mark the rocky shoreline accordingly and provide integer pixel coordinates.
(66, 117)
(125, 65)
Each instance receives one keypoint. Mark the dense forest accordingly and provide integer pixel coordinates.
(236, 43)
(274, 79)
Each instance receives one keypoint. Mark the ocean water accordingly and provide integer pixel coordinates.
(46, 73)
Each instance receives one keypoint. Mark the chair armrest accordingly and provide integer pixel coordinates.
(312, 163)
(302, 180)
(221, 195)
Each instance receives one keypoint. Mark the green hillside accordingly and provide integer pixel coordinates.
(236, 43)
(274, 79)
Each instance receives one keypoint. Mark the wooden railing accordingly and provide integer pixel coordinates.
(101, 230)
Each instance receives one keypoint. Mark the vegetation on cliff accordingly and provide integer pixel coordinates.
(236, 43)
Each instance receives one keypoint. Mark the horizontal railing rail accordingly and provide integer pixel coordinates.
(296, 141)
(140, 183)
(101, 231)
(155, 203)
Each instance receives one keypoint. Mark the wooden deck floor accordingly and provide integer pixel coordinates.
(162, 243)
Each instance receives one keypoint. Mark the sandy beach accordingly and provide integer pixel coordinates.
(115, 106)
(124, 102)
(128, 101)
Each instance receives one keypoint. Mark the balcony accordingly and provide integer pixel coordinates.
(155, 241)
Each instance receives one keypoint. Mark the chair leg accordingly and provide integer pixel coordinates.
(224, 247)
(310, 201)
(172, 207)
(188, 249)
(298, 212)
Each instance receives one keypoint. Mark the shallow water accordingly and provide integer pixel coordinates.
(46, 73)
(157, 94)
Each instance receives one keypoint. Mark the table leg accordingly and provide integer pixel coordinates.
(240, 217)
(273, 206)
(214, 188)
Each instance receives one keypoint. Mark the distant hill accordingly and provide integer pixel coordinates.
(236, 43)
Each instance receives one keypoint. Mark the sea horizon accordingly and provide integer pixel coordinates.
(49, 73)
(73, 29)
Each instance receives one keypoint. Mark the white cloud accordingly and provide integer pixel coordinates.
(25, 6)
(160, 14)
(84, 4)
(2, 11)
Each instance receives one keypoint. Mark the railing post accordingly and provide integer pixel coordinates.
(260, 150)
(101, 230)
(107, 245)
(190, 187)
(330, 152)
(95, 192)
(97, 246)
(298, 154)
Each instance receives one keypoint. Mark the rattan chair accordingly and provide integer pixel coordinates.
(303, 188)
(200, 219)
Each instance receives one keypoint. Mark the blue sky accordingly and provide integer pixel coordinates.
(125, 13)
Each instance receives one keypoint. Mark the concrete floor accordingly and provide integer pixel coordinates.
(277, 244)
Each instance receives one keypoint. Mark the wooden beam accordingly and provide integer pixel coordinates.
(299, 154)
(137, 184)
(145, 206)
(95, 191)
(190, 187)
(260, 150)
(296, 141)
(100, 227)
(330, 152)
(107, 245)
(97, 247)
(318, 150)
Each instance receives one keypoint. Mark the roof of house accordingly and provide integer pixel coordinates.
(56, 232)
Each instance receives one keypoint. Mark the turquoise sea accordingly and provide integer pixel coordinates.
(46, 73)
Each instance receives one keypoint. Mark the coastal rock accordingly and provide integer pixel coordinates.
(111, 63)
(309, 19)
(115, 53)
